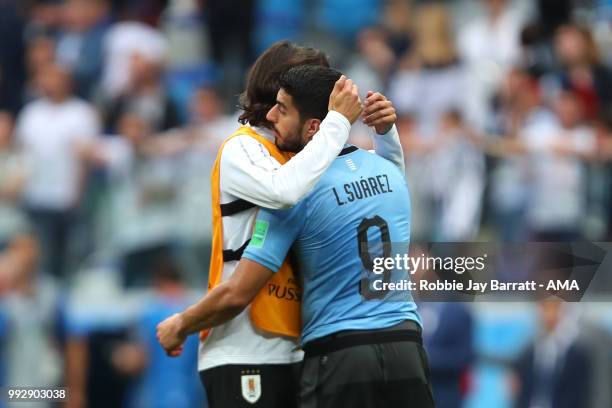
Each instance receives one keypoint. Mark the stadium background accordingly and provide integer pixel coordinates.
(106, 232)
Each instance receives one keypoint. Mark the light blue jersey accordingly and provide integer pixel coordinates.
(361, 200)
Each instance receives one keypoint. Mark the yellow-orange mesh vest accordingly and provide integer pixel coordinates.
(271, 313)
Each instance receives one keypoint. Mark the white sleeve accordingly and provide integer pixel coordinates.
(249, 172)
(89, 124)
(388, 147)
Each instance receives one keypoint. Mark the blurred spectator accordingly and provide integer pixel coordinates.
(142, 195)
(164, 382)
(12, 58)
(50, 130)
(185, 154)
(145, 95)
(369, 68)
(460, 179)
(555, 370)
(183, 26)
(582, 71)
(448, 339)
(31, 307)
(40, 53)
(397, 24)
(195, 148)
(489, 46)
(517, 104)
(557, 146)
(12, 178)
(373, 62)
(124, 40)
(537, 53)
(79, 45)
(209, 120)
(430, 82)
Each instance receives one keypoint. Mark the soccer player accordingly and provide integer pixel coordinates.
(241, 360)
(358, 352)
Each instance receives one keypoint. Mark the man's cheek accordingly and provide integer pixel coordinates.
(280, 134)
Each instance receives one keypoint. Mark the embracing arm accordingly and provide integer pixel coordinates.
(258, 264)
(218, 306)
(256, 177)
(248, 171)
(227, 299)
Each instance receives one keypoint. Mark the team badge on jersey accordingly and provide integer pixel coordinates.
(251, 388)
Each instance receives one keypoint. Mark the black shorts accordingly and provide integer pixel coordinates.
(253, 386)
(364, 369)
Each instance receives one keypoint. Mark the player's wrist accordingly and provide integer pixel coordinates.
(182, 324)
(384, 130)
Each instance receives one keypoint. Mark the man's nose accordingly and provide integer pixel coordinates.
(271, 115)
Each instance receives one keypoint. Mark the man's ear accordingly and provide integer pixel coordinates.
(312, 127)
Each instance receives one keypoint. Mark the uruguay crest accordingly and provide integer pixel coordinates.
(251, 388)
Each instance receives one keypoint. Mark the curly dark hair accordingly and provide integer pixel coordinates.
(310, 87)
(263, 80)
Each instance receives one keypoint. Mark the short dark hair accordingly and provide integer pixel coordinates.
(263, 80)
(310, 87)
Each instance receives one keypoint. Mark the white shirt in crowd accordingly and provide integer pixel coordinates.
(558, 183)
(488, 48)
(135, 219)
(486, 41)
(248, 172)
(49, 134)
(429, 93)
(121, 43)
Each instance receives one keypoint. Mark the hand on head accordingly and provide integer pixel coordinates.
(344, 99)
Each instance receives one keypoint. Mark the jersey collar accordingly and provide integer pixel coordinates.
(348, 149)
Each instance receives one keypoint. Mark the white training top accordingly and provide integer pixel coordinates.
(49, 134)
(249, 172)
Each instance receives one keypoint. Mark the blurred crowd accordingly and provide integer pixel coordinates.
(112, 111)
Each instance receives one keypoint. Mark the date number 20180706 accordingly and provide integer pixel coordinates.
(35, 394)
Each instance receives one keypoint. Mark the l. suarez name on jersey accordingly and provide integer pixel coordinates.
(362, 188)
